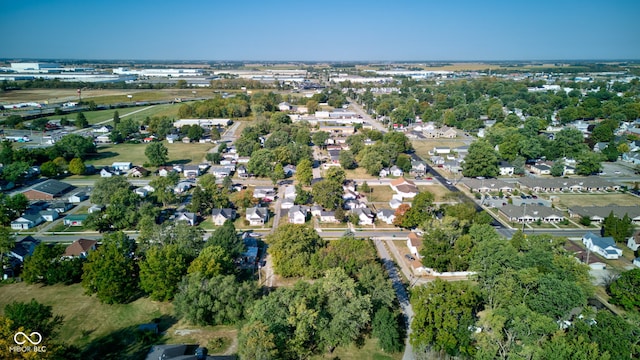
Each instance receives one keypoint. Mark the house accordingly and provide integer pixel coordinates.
(75, 220)
(165, 170)
(102, 129)
(414, 243)
(122, 166)
(222, 171)
(80, 248)
(285, 106)
(440, 150)
(290, 192)
(289, 170)
(27, 221)
(142, 192)
(395, 171)
(604, 246)
(633, 242)
(78, 197)
(48, 190)
(242, 171)
(418, 167)
(541, 169)
(404, 188)
(447, 132)
(298, 214)
(395, 203)
(191, 171)
(61, 206)
(354, 204)
(328, 217)
(23, 248)
(599, 213)
(531, 213)
(220, 216)
(183, 186)
(138, 171)
(188, 217)
(365, 216)
(264, 192)
(287, 204)
(386, 215)
(103, 138)
(257, 216)
(486, 185)
(49, 215)
(505, 168)
(105, 172)
(349, 195)
(95, 208)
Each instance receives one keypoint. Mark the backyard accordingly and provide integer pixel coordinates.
(178, 153)
(569, 200)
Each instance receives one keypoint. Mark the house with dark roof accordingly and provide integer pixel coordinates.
(220, 216)
(27, 221)
(48, 190)
(257, 216)
(531, 213)
(80, 248)
(75, 219)
(603, 246)
(188, 217)
(23, 248)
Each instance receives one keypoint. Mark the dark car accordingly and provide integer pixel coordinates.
(409, 256)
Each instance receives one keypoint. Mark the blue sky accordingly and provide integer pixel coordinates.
(355, 30)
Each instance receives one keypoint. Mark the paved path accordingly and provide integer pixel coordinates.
(358, 109)
(401, 293)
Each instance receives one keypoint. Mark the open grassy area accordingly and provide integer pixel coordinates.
(99, 96)
(367, 351)
(379, 193)
(422, 147)
(569, 200)
(178, 153)
(86, 319)
(439, 191)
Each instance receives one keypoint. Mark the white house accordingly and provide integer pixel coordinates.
(633, 242)
(290, 192)
(606, 247)
(188, 217)
(78, 197)
(414, 242)
(122, 166)
(506, 169)
(105, 173)
(26, 221)
(386, 215)
(298, 214)
(49, 215)
(328, 217)
(395, 203)
(264, 192)
(257, 216)
(220, 216)
(365, 216)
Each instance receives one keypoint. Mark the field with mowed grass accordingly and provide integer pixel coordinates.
(569, 200)
(179, 153)
(422, 147)
(101, 96)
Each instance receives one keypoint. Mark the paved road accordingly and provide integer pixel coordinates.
(358, 110)
(401, 293)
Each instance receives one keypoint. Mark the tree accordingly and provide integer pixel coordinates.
(261, 163)
(304, 172)
(219, 300)
(481, 161)
(111, 271)
(157, 153)
(7, 242)
(385, 328)
(104, 188)
(365, 188)
(569, 143)
(76, 166)
(319, 138)
(444, 313)
(15, 171)
(164, 188)
(292, 247)
(34, 316)
(625, 290)
(195, 132)
(41, 262)
(347, 160)
(213, 260)
(81, 121)
(161, 271)
(327, 193)
(256, 342)
(588, 163)
(277, 174)
(371, 160)
(227, 238)
(73, 146)
(116, 118)
(557, 169)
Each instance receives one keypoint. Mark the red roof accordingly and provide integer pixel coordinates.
(80, 247)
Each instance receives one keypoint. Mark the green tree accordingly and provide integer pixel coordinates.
(481, 161)
(157, 153)
(557, 169)
(7, 242)
(81, 121)
(34, 316)
(256, 342)
(227, 238)
(73, 146)
(277, 174)
(15, 171)
(195, 132)
(111, 271)
(304, 172)
(444, 312)
(385, 328)
(213, 260)
(219, 300)
(347, 160)
(164, 188)
(365, 188)
(76, 166)
(327, 193)
(261, 163)
(625, 290)
(49, 169)
(371, 160)
(116, 118)
(588, 163)
(40, 262)
(292, 247)
(104, 188)
(161, 271)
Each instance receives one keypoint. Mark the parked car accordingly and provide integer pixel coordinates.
(409, 257)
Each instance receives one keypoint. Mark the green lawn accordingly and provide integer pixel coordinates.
(367, 351)
(178, 153)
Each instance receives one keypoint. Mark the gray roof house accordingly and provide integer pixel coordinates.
(219, 216)
(257, 216)
(603, 246)
(27, 221)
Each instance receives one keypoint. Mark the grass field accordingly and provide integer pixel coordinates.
(367, 351)
(423, 147)
(94, 117)
(439, 191)
(178, 153)
(567, 200)
(99, 96)
(379, 193)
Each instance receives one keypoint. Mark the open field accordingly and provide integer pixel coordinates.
(94, 117)
(134, 153)
(568, 200)
(368, 351)
(423, 147)
(99, 96)
(379, 193)
(439, 191)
